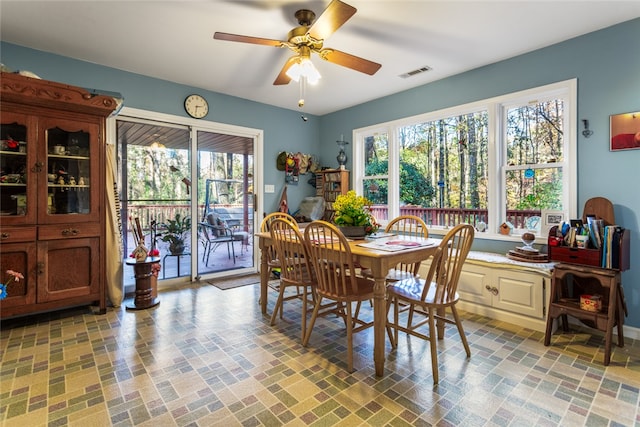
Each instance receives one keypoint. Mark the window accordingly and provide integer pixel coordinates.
(504, 159)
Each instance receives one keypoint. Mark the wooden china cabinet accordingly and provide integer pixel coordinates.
(52, 195)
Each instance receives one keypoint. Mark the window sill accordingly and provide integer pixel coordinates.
(439, 231)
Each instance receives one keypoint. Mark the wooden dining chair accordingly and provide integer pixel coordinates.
(295, 270)
(431, 297)
(332, 262)
(273, 263)
(410, 226)
(272, 257)
(404, 225)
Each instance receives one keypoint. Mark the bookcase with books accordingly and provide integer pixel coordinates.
(586, 282)
(329, 184)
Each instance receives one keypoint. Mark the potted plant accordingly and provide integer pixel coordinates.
(175, 233)
(353, 215)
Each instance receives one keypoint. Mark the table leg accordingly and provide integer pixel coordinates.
(379, 324)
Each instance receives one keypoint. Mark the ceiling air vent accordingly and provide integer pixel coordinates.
(414, 72)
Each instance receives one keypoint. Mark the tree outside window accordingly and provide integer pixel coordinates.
(499, 160)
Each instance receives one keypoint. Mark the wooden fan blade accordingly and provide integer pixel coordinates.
(247, 39)
(350, 61)
(336, 14)
(282, 78)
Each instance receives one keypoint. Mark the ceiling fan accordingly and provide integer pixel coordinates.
(307, 38)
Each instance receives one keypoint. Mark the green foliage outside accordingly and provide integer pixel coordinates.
(414, 187)
(445, 163)
(176, 230)
(159, 175)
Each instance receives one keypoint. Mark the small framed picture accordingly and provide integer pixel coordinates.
(550, 219)
(625, 131)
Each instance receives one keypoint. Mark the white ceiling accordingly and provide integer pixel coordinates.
(173, 40)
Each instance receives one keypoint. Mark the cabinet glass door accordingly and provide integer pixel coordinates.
(70, 171)
(16, 205)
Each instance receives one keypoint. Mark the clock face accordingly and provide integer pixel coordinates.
(196, 106)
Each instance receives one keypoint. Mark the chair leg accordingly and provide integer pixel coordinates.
(389, 325)
(307, 334)
(278, 306)
(463, 337)
(356, 315)
(209, 247)
(233, 252)
(432, 344)
(304, 313)
(410, 316)
(396, 320)
(350, 338)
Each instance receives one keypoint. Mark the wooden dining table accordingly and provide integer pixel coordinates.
(379, 262)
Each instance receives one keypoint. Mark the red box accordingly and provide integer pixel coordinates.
(589, 257)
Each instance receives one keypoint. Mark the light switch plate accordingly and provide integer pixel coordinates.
(269, 188)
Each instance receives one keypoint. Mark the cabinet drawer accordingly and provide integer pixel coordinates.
(17, 234)
(591, 257)
(68, 231)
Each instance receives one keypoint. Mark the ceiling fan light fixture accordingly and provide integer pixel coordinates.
(304, 68)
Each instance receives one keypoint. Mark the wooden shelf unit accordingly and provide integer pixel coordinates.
(579, 272)
(329, 184)
(568, 282)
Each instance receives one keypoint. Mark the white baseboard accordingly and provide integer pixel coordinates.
(629, 332)
(540, 325)
(504, 316)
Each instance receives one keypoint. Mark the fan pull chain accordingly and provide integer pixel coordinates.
(303, 86)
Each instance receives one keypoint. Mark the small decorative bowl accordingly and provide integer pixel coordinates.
(528, 239)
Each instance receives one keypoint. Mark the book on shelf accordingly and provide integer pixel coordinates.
(611, 246)
(595, 231)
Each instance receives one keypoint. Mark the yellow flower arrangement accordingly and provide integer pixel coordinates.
(353, 210)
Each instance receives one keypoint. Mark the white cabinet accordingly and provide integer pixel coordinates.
(504, 290)
(509, 290)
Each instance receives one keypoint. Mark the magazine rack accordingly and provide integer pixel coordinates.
(600, 208)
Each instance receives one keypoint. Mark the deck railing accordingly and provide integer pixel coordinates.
(147, 212)
(450, 217)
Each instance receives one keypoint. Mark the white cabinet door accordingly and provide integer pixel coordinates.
(519, 292)
(473, 282)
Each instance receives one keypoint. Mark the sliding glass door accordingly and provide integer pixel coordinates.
(225, 199)
(197, 210)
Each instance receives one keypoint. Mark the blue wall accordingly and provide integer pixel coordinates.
(283, 129)
(606, 64)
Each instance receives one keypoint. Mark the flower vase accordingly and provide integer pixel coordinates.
(353, 231)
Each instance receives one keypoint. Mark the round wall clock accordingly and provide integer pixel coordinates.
(196, 106)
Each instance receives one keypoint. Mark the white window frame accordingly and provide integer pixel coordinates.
(496, 108)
